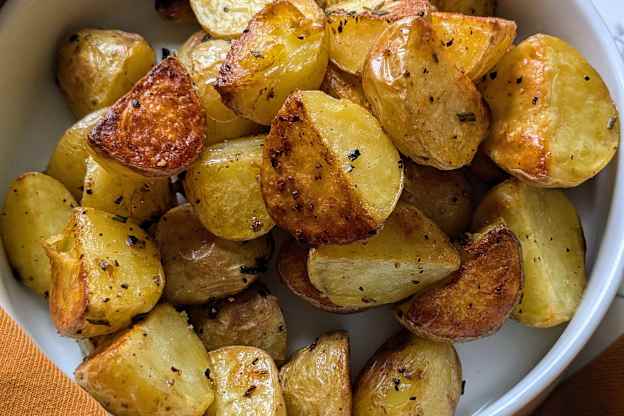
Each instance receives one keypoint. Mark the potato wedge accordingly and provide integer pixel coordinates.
(68, 163)
(444, 196)
(467, 7)
(36, 207)
(553, 249)
(325, 187)
(157, 367)
(409, 376)
(203, 57)
(479, 297)
(175, 10)
(553, 121)
(280, 52)
(200, 266)
(143, 200)
(409, 254)
(105, 272)
(96, 67)
(354, 26)
(432, 112)
(251, 318)
(156, 130)
(340, 84)
(317, 379)
(474, 43)
(223, 187)
(247, 383)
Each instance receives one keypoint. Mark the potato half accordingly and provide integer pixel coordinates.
(553, 121)
(96, 67)
(158, 367)
(553, 249)
(409, 376)
(340, 84)
(223, 187)
(36, 207)
(253, 318)
(325, 187)
(317, 379)
(432, 112)
(105, 272)
(280, 52)
(467, 7)
(175, 10)
(479, 297)
(200, 266)
(247, 383)
(156, 130)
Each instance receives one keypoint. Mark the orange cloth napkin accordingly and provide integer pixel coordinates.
(30, 385)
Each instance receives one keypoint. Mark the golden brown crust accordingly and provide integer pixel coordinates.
(157, 129)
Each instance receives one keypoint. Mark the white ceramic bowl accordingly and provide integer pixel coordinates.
(504, 372)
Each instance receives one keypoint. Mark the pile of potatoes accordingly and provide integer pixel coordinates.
(411, 151)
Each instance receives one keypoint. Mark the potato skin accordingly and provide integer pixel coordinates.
(340, 84)
(409, 376)
(317, 380)
(432, 112)
(156, 130)
(325, 188)
(554, 122)
(158, 367)
(467, 7)
(96, 67)
(36, 207)
(553, 249)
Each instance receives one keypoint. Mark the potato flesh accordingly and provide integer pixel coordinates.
(467, 7)
(340, 84)
(36, 207)
(226, 18)
(158, 367)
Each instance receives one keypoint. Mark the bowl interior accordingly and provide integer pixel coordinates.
(33, 115)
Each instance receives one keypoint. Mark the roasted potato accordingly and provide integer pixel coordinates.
(444, 196)
(553, 121)
(474, 43)
(340, 84)
(68, 163)
(247, 383)
(156, 130)
(251, 318)
(175, 10)
(479, 297)
(354, 26)
(200, 266)
(143, 200)
(157, 367)
(203, 56)
(467, 7)
(317, 380)
(553, 249)
(280, 52)
(223, 187)
(105, 272)
(36, 207)
(432, 112)
(408, 255)
(325, 187)
(96, 67)
(409, 376)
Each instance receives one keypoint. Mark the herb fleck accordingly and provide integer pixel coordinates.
(136, 103)
(120, 218)
(133, 241)
(353, 154)
(249, 391)
(466, 117)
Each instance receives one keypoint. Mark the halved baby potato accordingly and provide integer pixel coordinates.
(95, 67)
(340, 84)
(409, 376)
(36, 207)
(467, 7)
(553, 249)
(478, 298)
(247, 383)
(432, 112)
(329, 172)
(554, 123)
(281, 51)
(156, 130)
(223, 187)
(408, 255)
(175, 10)
(157, 367)
(317, 379)
(253, 318)
(201, 266)
(105, 272)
